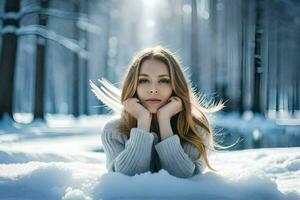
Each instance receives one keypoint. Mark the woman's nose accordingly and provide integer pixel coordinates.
(153, 89)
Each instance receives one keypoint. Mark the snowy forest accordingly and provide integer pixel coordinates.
(244, 52)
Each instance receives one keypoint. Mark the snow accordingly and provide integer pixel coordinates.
(256, 131)
(63, 159)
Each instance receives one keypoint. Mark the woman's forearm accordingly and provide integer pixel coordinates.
(165, 127)
(144, 122)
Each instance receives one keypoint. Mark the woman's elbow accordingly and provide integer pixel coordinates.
(130, 171)
(182, 174)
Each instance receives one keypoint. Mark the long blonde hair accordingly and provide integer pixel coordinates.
(189, 120)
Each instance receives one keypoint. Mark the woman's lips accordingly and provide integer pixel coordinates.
(153, 101)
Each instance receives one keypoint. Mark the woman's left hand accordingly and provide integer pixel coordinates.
(170, 109)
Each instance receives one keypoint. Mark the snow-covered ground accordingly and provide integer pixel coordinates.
(63, 159)
(255, 131)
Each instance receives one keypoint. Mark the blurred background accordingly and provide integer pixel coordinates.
(245, 52)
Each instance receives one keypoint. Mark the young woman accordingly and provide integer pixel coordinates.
(163, 124)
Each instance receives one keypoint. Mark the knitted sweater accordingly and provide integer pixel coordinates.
(143, 152)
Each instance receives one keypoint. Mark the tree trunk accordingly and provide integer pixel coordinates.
(195, 49)
(40, 69)
(76, 73)
(8, 60)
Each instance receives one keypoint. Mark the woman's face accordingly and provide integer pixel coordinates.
(154, 83)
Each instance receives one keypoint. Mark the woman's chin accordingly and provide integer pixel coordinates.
(152, 110)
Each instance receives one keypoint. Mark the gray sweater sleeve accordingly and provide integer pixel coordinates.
(130, 156)
(177, 158)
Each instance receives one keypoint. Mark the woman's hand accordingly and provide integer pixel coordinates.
(134, 108)
(139, 112)
(165, 113)
(170, 109)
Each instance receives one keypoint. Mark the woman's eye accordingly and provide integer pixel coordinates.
(143, 80)
(161, 81)
(165, 81)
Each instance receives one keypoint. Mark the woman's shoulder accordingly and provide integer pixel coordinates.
(201, 132)
(111, 130)
(191, 149)
(113, 122)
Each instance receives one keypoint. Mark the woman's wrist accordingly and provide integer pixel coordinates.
(144, 122)
(165, 128)
(162, 117)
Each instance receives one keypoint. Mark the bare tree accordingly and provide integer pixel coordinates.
(8, 59)
(257, 98)
(76, 71)
(194, 45)
(40, 68)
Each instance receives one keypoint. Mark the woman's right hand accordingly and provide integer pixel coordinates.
(134, 108)
(139, 112)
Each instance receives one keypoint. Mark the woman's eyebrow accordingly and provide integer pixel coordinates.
(161, 75)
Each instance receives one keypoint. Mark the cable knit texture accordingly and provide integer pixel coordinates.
(142, 152)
